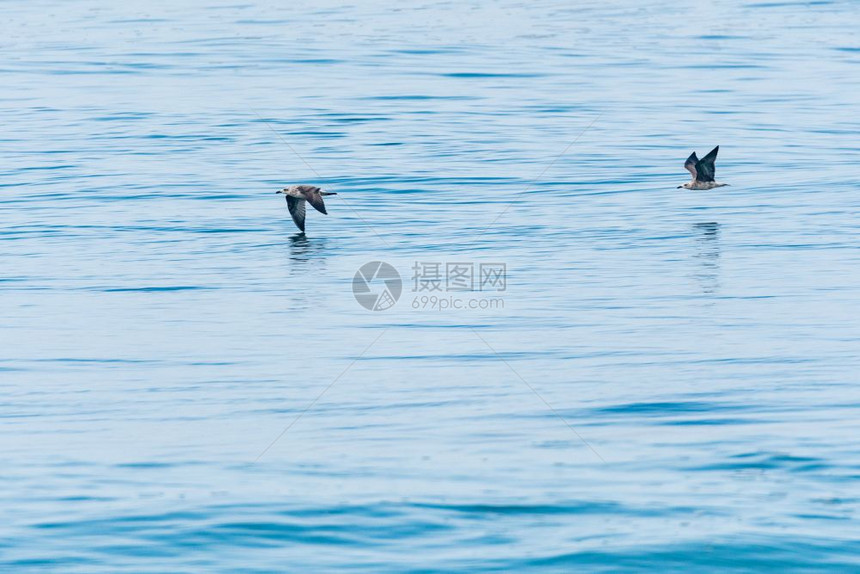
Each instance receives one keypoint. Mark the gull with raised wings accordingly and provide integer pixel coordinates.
(703, 171)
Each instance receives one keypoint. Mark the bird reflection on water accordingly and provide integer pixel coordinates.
(306, 261)
(707, 237)
(304, 249)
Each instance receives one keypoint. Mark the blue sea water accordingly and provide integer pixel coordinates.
(669, 382)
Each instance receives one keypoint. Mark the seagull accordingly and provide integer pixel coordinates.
(297, 195)
(702, 170)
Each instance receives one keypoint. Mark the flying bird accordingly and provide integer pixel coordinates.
(298, 195)
(703, 171)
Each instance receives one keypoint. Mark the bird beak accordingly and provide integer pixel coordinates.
(280, 191)
(679, 187)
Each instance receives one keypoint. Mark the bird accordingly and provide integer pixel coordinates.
(703, 171)
(298, 195)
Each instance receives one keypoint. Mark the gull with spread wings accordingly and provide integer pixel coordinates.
(299, 195)
(703, 171)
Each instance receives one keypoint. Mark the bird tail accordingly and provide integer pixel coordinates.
(328, 193)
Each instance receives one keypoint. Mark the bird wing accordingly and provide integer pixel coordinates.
(690, 164)
(316, 200)
(297, 210)
(705, 169)
(308, 188)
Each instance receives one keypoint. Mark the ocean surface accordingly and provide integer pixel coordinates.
(657, 380)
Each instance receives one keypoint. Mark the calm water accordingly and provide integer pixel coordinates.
(188, 385)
